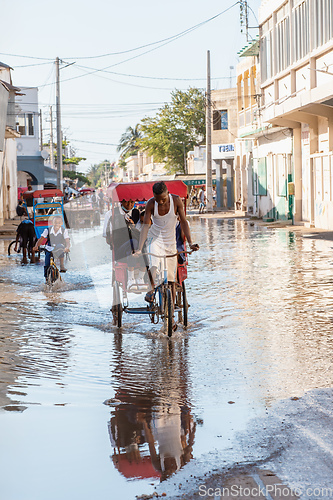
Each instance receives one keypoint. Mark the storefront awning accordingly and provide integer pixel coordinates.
(194, 179)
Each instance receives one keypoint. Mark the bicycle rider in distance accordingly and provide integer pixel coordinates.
(56, 240)
(163, 209)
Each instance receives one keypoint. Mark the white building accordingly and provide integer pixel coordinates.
(224, 132)
(30, 156)
(296, 60)
(8, 135)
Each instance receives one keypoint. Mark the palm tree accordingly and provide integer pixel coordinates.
(128, 144)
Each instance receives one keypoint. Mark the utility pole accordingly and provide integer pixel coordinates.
(41, 129)
(209, 182)
(244, 17)
(231, 68)
(106, 174)
(51, 139)
(59, 135)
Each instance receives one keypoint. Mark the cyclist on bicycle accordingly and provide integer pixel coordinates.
(163, 209)
(56, 240)
(26, 233)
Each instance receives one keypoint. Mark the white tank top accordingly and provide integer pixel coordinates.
(164, 226)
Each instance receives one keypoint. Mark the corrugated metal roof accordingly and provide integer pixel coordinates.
(250, 49)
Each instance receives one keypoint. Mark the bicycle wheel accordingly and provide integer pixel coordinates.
(167, 310)
(52, 274)
(11, 247)
(185, 305)
(117, 309)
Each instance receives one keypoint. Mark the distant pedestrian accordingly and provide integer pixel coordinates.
(101, 201)
(214, 196)
(21, 210)
(28, 196)
(202, 199)
(94, 199)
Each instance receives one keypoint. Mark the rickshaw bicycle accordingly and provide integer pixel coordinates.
(162, 304)
(162, 301)
(53, 273)
(42, 212)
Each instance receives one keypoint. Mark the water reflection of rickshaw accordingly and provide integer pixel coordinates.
(152, 429)
(162, 306)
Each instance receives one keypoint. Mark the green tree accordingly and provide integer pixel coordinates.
(76, 176)
(129, 141)
(176, 129)
(72, 160)
(122, 163)
(96, 172)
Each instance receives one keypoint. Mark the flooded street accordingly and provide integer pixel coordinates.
(90, 411)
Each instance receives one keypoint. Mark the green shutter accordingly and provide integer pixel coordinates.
(262, 177)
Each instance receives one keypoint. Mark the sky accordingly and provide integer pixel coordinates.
(110, 86)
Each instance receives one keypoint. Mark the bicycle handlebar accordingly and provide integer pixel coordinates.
(170, 255)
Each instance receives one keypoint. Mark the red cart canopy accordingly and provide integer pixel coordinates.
(143, 191)
(47, 193)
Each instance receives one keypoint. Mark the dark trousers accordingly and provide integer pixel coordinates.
(47, 261)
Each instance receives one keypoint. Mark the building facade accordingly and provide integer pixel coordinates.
(30, 156)
(296, 66)
(224, 134)
(8, 135)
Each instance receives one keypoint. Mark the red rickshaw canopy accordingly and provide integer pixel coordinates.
(47, 193)
(143, 191)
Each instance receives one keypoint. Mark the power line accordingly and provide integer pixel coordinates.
(154, 77)
(36, 64)
(27, 57)
(178, 35)
(168, 40)
(92, 142)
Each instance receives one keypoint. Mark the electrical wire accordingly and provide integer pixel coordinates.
(171, 38)
(154, 77)
(92, 142)
(36, 64)
(27, 57)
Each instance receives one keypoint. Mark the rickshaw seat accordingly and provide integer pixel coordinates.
(182, 272)
(120, 270)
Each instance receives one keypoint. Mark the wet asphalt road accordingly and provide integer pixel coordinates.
(88, 411)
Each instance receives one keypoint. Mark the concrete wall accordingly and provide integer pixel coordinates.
(8, 181)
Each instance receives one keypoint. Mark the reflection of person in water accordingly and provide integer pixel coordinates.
(170, 432)
(173, 433)
(151, 430)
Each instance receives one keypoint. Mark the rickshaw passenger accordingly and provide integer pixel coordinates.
(123, 237)
(21, 210)
(163, 209)
(180, 241)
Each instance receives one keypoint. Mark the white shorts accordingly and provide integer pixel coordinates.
(157, 247)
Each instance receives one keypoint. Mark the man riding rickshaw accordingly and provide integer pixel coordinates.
(166, 280)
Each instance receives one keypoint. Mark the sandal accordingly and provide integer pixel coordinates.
(149, 297)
